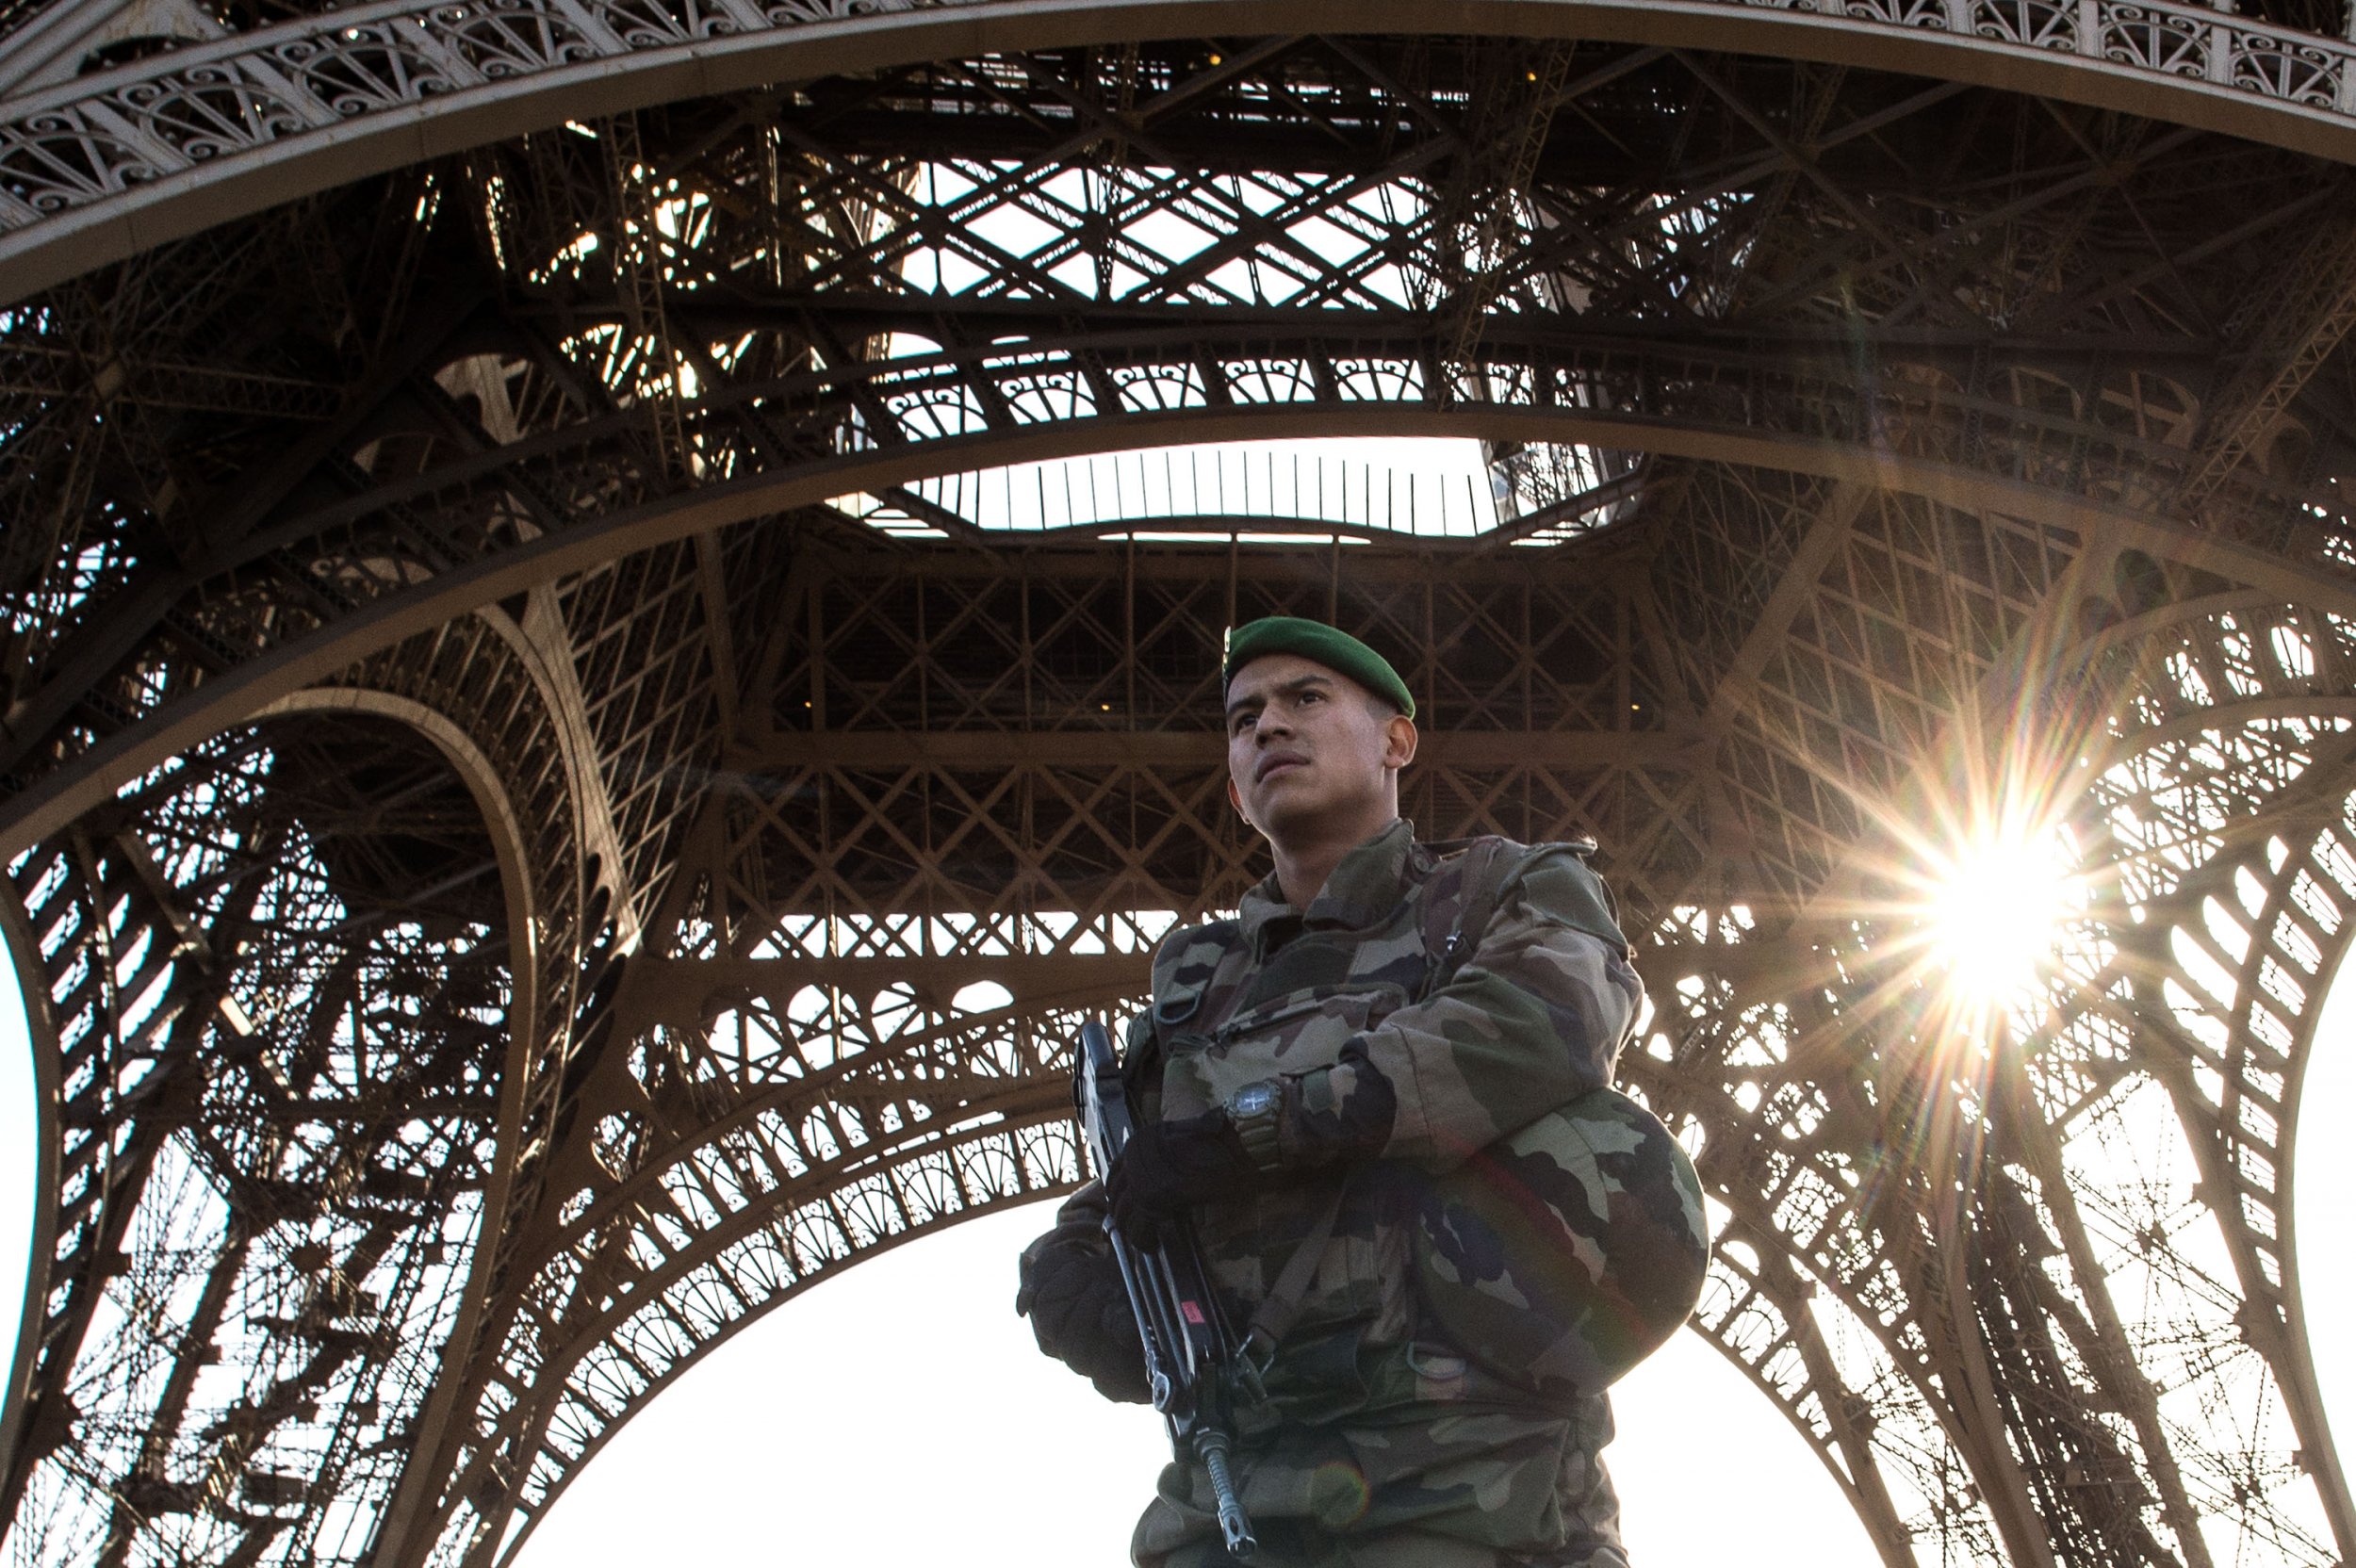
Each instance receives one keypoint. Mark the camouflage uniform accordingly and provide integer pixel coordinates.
(1381, 1446)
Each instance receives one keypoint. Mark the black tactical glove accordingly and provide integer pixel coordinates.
(1170, 1165)
(1079, 1312)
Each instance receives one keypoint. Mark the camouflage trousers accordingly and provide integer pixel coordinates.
(1425, 1489)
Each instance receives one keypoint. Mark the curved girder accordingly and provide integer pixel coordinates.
(129, 986)
(95, 170)
(2191, 1428)
(279, 1116)
(743, 1024)
(813, 1174)
(962, 640)
(1808, 1386)
(591, 430)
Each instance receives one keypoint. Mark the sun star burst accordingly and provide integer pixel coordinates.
(1995, 913)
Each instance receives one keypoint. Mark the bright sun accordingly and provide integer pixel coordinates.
(1995, 912)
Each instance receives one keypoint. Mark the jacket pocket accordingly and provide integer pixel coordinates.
(1290, 1035)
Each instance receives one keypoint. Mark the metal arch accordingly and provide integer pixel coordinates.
(1818, 1388)
(1046, 1105)
(571, 943)
(30, 814)
(943, 679)
(86, 1103)
(534, 1066)
(606, 1427)
(506, 750)
(485, 782)
(1209, 608)
(1717, 686)
(117, 164)
(541, 1465)
(654, 989)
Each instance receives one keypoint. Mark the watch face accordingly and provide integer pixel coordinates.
(1252, 1099)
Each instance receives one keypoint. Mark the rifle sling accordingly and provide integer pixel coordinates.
(1281, 1305)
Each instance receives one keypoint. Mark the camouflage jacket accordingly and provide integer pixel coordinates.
(1531, 1017)
(1529, 1014)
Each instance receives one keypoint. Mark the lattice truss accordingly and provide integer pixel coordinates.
(536, 836)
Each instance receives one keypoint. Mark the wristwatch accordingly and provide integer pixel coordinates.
(1253, 1111)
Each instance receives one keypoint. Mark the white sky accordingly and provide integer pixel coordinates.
(900, 1416)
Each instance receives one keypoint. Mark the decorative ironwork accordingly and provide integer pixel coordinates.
(192, 116)
(528, 858)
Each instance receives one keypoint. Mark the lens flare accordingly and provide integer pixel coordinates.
(1995, 915)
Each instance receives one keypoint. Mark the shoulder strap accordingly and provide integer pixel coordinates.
(1481, 883)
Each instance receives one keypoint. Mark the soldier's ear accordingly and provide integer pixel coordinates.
(1235, 798)
(1399, 743)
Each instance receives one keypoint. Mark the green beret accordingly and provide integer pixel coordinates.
(1321, 644)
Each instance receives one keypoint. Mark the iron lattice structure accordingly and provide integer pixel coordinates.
(559, 790)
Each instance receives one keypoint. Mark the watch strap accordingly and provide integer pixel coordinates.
(1257, 1127)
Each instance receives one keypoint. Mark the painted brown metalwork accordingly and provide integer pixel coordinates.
(556, 795)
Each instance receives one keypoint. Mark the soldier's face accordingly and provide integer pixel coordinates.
(1311, 752)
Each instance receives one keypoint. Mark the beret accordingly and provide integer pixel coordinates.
(1321, 644)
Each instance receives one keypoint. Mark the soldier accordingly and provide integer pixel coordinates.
(1398, 1058)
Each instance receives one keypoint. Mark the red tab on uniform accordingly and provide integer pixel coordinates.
(1191, 1312)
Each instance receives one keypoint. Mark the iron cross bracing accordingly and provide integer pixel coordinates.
(519, 871)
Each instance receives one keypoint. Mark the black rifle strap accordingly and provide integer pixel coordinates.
(1282, 1303)
(1475, 909)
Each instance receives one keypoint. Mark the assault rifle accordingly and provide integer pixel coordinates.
(1193, 1363)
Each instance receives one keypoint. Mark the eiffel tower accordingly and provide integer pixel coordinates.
(598, 672)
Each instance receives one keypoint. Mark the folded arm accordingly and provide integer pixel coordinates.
(1534, 1018)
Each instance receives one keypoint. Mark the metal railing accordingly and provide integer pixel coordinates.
(1430, 489)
